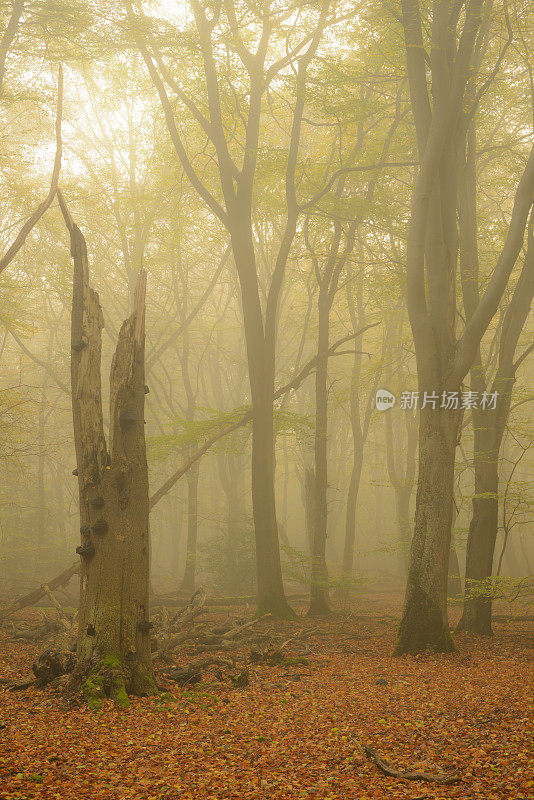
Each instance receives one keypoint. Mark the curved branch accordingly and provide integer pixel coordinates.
(34, 218)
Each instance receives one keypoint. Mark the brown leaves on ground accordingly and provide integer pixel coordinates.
(297, 730)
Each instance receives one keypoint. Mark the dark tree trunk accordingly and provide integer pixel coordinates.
(261, 346)
(319, 571)
(271, 595)
(41, 493)
(424, 623)
(482, 530)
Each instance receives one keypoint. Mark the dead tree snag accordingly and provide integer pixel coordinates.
(113, 650)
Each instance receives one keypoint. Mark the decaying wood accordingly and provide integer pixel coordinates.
(231, 634)
(114, 623)
(24, 683)
(37, 594)
(51, 664)
(411, 775)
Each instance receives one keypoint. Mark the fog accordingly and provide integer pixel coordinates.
(316, 230)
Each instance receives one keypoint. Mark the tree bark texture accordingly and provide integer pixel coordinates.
(113, 649)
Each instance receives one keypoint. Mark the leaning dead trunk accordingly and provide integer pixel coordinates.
(113, 650)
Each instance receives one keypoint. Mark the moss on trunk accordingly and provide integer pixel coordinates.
(423, 626)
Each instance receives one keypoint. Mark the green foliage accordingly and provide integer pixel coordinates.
(228, 560)
(192, 434)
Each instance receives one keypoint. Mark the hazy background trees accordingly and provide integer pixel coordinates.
(259, 161)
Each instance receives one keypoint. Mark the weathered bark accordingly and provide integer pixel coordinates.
(432, 249)
(113, 649)
(424, 623)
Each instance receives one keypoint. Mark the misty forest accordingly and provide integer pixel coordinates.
(266, 393)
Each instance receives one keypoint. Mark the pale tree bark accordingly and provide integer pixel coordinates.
(442, 360)
(113, 650)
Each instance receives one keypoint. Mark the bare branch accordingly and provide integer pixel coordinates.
(34, 218)
(245, 418)
(8, 37)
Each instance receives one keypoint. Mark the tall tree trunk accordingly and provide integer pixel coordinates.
(488, 425)
(319, 572)
(271, 594)
(114, 630)
(261, 347)
(188, 582)
(424, 623)
(359, 433)
(41, 492)
(352, 500)
(482, 533)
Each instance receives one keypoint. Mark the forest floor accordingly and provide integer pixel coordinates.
(295, 731)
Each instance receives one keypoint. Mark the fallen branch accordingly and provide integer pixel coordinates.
(411, 775)
(25, 683)
(235, 631)
(301, 635)
(172, 635)
(37, 594)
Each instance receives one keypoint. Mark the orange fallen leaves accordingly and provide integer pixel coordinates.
(293, 733)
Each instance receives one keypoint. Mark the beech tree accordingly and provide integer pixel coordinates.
(235, 214)
(443, 358)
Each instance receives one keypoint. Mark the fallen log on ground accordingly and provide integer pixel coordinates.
(37, 594)
(411, 775)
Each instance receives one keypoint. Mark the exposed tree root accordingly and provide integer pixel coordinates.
(411, 775)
